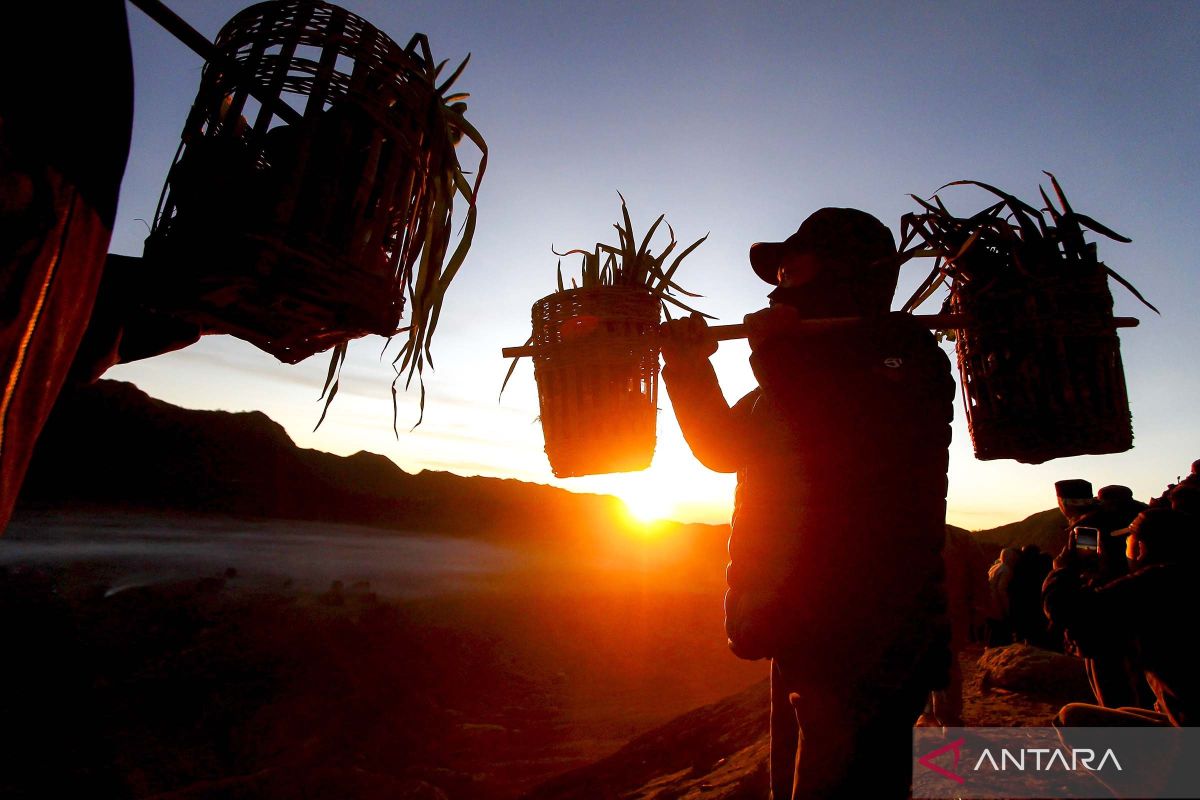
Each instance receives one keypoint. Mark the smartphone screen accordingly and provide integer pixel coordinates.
(1087, 539)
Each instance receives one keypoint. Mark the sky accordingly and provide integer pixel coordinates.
(737, 120)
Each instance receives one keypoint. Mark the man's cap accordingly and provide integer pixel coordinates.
(845, 235)
(1073, 489)
(1114, 493)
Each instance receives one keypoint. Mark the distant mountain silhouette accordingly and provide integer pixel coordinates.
(112, 446)
(1046, 529)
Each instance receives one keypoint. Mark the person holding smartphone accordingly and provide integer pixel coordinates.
(1099, 537)
(1149, 612)
(1115, 511)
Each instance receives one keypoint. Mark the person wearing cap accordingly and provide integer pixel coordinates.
(1115, 677)
(1114, 510)
(1074, 499)
(835, 569)
(1151, 612)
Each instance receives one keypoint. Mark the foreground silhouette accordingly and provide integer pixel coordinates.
(835, 555)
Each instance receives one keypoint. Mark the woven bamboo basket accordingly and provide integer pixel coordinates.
(280, 218)
(1041, 365)
(596, 369)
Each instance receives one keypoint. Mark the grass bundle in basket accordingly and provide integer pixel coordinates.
(312, 198)
(597, 352)
(1040, 361)
(420, 238)
(630, 264)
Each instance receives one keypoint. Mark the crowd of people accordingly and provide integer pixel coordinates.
(1115, 596)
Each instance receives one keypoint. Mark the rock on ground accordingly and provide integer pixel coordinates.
(1022, 667)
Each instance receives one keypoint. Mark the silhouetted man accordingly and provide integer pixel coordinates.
(835, 555)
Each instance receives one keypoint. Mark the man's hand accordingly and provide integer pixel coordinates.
(1070, 558)
(776, 321)
(1067, 557)
(687, 340)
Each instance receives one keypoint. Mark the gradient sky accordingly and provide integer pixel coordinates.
(738, 120)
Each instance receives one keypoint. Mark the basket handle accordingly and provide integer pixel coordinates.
(199, 43)
(724, 333)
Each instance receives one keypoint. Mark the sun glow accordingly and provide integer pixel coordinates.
(647, 501)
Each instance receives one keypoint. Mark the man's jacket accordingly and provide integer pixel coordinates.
(839, 518)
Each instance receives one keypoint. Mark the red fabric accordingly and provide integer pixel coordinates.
(48, 282)
(61, 165)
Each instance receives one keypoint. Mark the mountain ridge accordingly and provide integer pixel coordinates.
(111, 445)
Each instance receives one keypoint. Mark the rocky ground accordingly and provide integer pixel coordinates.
(219, 687)
(719, 752)
(561, 673)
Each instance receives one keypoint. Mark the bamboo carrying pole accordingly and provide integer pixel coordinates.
(199, 44)
(724, 333)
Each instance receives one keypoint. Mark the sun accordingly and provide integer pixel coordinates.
(675, 489)
(647, 501)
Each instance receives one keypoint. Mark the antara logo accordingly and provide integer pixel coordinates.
(954, 747)
(1070, 760)
(1038, 759)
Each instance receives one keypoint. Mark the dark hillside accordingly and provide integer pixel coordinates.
(112, 446)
